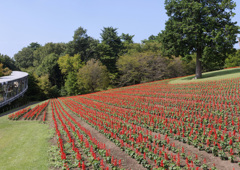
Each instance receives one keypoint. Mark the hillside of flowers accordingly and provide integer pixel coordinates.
(148, 126)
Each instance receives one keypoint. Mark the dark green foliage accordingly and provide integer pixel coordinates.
(189, 64)
(47, 49)
(47, 68)
(34, 92)
(127, 38)
(153, 38)
(50, 66)
(25, 57)
(233, 60)
(201, 27)
(82, 44)
(8, 62)
(110, 48)
(42, 62)
(34, 46)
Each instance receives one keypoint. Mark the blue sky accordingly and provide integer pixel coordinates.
(43, 21)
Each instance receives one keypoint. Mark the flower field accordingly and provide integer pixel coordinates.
(149, 126)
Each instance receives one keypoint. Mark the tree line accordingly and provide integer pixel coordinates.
(199, 36)
(86, 64)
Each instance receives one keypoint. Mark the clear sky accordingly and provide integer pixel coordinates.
(43, 21)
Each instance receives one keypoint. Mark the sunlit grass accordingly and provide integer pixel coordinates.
(213, 75)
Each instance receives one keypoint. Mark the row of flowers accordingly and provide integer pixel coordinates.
(30, 114)
(95, 155)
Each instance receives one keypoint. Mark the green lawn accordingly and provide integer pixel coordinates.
(23, 144)
(213, 75)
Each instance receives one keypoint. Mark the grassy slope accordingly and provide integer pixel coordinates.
(213, 75)
(23, 144)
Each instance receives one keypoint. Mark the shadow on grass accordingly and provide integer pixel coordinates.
(215, 74)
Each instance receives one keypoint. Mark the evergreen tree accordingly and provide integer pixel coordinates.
(110, 48)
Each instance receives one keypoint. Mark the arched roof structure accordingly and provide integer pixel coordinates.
(13, 87)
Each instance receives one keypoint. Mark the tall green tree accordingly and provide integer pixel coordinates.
(110, 48)
(83, 45)
(202, 27)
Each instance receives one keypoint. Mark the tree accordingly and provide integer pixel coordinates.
(69, 63)
(202, 27)
(47, 88)
(25, 58)
(8, 62)
(175, 68)
(34, 92)
(34, 45)
(69, 66)
(83, 45)
(233, 60)
(49, 48)
(71, 84)
(49, 66)
(127, 38)
(110, 48)
(141, 67)
(93, 75)
(44, 84)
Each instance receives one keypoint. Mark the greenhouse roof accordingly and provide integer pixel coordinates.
(14, 76)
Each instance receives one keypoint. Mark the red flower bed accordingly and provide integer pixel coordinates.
(155, 123)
